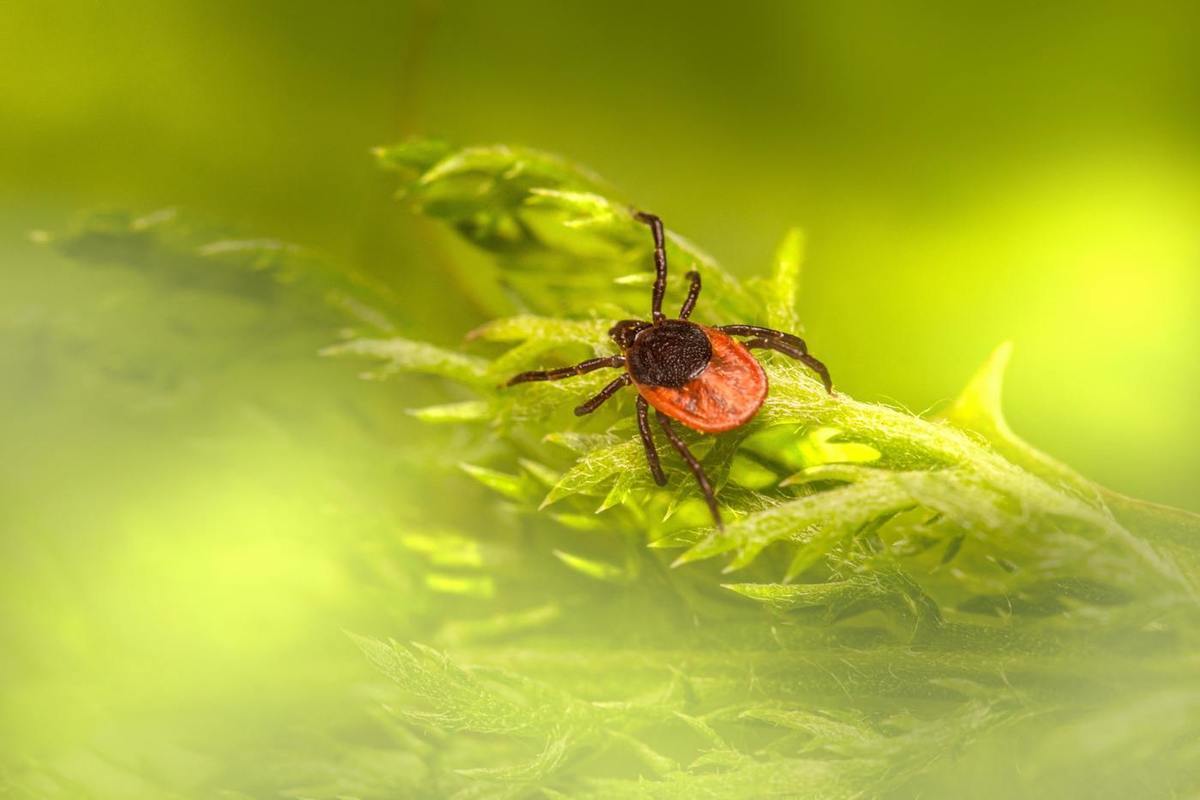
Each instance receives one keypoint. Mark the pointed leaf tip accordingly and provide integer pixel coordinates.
(785, 281)
(979, 405)
(514, 487)
(591, 567)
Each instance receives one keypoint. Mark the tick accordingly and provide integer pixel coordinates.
(693, 374)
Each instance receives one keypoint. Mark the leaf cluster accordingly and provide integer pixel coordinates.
(894, 596)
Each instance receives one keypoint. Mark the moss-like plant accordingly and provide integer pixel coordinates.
(899, 606)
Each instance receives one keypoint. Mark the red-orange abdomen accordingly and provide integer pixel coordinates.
(726, 395)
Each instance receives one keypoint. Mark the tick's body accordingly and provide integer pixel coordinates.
(700, 376)
(710, 382)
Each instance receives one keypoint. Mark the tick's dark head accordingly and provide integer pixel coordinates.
(669, 354)
(625, 331)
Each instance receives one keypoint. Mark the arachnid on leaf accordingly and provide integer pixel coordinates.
(691, 373)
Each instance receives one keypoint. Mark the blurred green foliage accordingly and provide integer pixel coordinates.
(193, 505)
(951, 583)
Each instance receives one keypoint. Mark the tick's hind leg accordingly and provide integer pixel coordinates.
(605, 393)
(804, 358)
(766, 333)
(591, 365)
(648, 442)
(693, 465)
(786, 343)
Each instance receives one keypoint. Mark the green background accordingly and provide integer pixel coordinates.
(182, 484)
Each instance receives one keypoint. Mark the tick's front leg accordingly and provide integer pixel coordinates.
(605, 393)
(693, 294)
(591, 365)
(660, 263)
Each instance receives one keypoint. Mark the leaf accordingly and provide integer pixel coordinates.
(450, 413)
(403, 355)
(505, 163)
(750, 474)
(886, 589)
(560, 238)
(596, 469)
(592, 568)
(825, 730)
(958, 594)
(417, 155)
(998, 570)
(583, 442)
(784, 285)
(821, 519)
(500, 626)
(542, 765)
(543, 474)
(656, 761)
(177, 252)
(582, 209)
(514, 487)
(818, 448)
(445, 549)
(544, 329)
(467, 585)
(464, 699)
(978, 408)
(621, 489)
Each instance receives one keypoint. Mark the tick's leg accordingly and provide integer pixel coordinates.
(591, 365)
(785, 343)
(766, 333)
(660, 263)
(605, 393)
(693, 465)
(787, 349)
(692, 295)
(648, 442)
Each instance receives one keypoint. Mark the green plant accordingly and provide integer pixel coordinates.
(898, 606)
